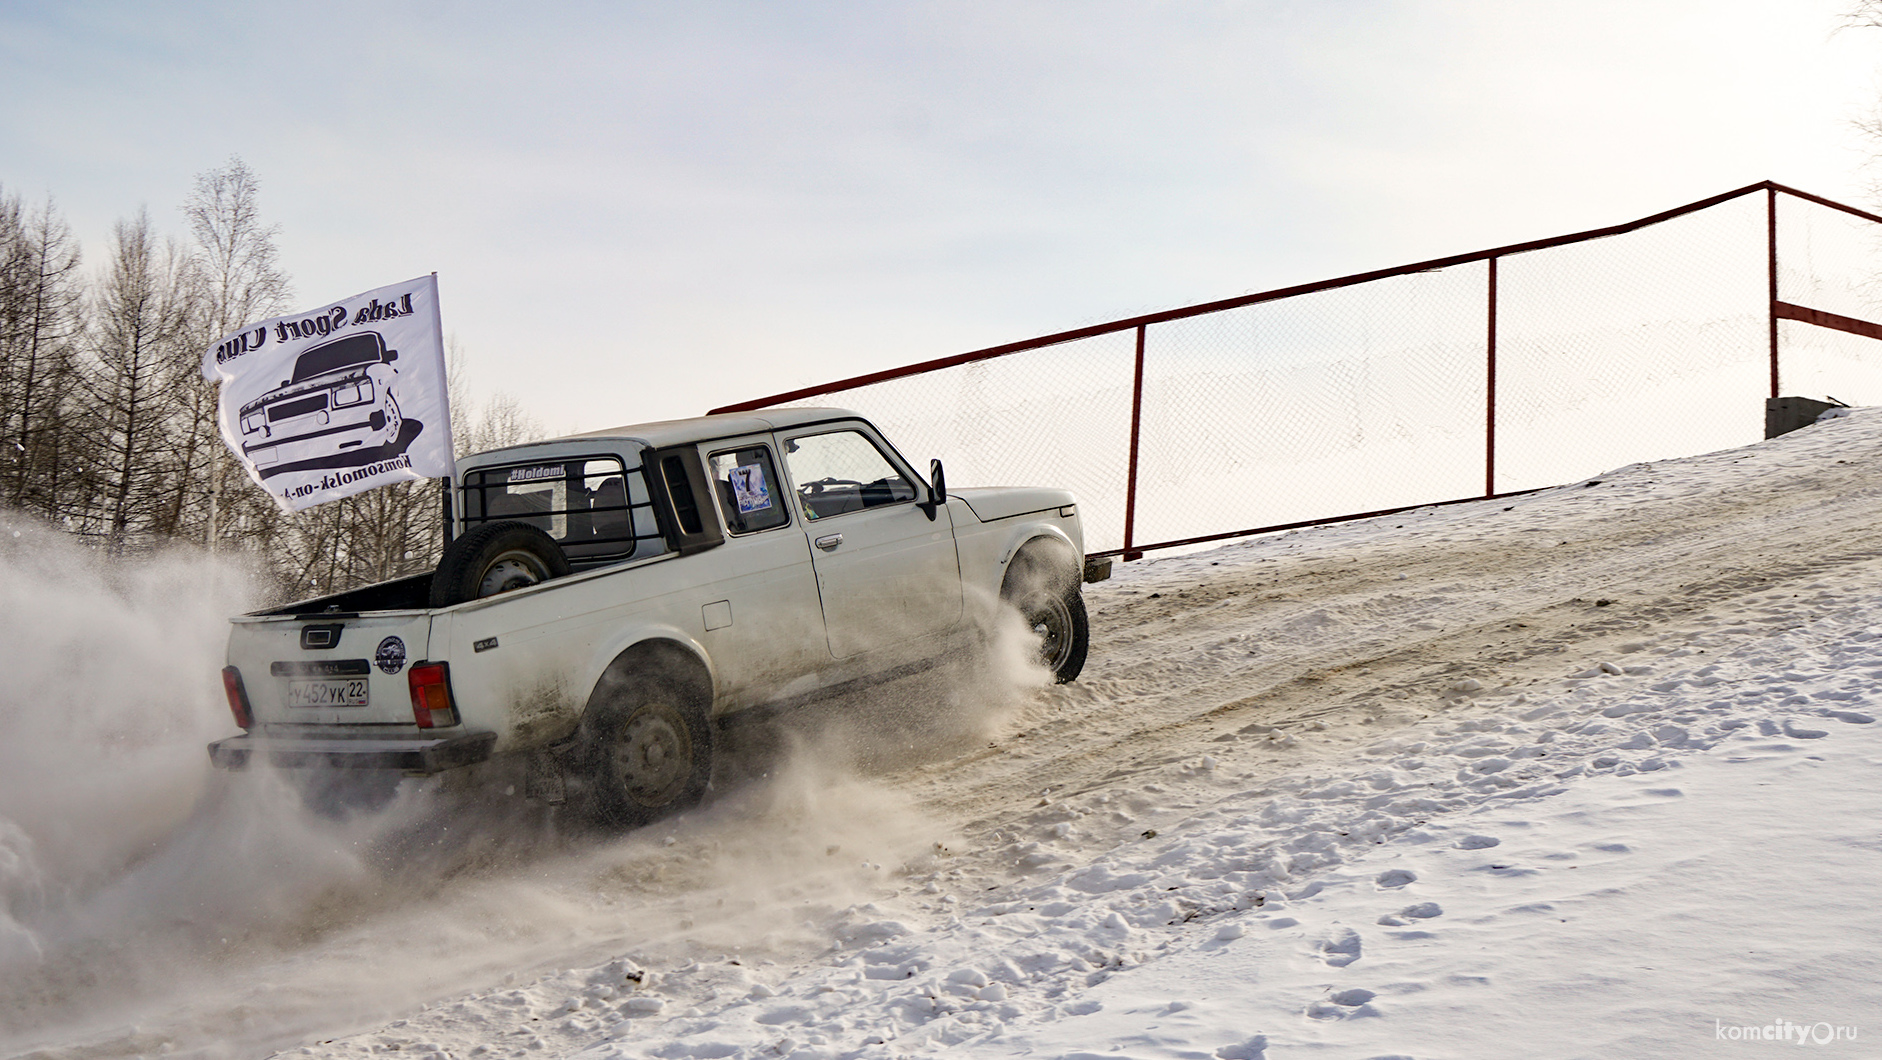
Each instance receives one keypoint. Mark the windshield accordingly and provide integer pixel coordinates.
(347, 352)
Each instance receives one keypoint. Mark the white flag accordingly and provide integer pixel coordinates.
(325, 404)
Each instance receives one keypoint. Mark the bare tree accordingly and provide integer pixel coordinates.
(1867, 14)
(499, 422)
(238, 280)
(39, 320)
(140, 341)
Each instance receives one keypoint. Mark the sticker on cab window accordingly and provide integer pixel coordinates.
(533, 474)
(749, 489)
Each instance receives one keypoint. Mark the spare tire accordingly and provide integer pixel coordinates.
(495, 558)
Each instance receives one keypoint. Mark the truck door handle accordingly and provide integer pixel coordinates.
(829, 542)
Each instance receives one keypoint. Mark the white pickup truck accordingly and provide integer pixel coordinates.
(606, 598)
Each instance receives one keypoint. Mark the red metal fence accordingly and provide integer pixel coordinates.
(1471, 376)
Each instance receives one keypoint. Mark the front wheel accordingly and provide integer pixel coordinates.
(649, 752)
(1063, 629)
(395, 422)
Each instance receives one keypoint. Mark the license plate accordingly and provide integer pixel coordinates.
(350, 692)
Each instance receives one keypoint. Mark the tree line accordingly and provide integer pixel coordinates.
(108, 430)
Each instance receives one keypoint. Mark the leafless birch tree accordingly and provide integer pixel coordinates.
(238, 280)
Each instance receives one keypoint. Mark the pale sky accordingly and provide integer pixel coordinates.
(642, 210)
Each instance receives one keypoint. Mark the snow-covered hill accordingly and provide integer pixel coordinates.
(1590, 772)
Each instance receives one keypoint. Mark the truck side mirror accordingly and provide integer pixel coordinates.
(937, 490)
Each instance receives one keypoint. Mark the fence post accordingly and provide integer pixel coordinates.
(1770, 236)
(1137, 422)
(1489, 405)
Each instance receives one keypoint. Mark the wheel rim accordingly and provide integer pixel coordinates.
(653, 755)
(515, 569)
(1050, 618)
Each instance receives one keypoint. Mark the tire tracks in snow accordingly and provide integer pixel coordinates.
(1312, 642)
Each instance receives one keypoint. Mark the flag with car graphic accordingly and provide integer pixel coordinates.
(332, 402)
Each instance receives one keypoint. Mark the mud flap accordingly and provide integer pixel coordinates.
(545, 781)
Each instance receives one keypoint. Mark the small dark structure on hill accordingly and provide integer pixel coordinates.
(1783, 415)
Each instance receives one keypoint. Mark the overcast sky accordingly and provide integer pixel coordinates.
(641, 210)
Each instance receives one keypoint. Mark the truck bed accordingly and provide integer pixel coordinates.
(401, 594)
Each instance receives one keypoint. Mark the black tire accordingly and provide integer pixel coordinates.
(1063, 629)
(495, 558)
(647, 749)
(1044, 586)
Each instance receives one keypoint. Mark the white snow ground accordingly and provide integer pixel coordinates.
(1586, 773)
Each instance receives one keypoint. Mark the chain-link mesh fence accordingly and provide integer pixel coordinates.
(1830, 261)
(1486, 373)
(1346, 400)
(1639, 346)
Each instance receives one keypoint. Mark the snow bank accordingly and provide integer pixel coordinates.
(1608, 865)
(1584, 773)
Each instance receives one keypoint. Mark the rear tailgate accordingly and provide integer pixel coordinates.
(344, 670)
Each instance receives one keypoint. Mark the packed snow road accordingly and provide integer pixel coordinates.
(1376, 624)
(949, 864)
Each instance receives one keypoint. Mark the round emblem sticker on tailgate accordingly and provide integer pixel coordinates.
(391, 655)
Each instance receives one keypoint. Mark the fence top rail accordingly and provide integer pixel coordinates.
(1202, 308)
(1821, 201)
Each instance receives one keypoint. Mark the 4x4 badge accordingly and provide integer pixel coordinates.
(391, 655)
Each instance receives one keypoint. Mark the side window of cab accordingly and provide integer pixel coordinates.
(749, 489)
(843, 471)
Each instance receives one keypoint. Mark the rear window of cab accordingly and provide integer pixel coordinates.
(593, 506)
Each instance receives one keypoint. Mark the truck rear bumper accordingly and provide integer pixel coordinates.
(421, 754)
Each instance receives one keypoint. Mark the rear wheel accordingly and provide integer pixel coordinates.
(649, 751)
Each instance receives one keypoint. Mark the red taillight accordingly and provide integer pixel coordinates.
(431, 695)
(238, 697)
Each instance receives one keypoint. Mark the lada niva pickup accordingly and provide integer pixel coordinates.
(606, 600)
